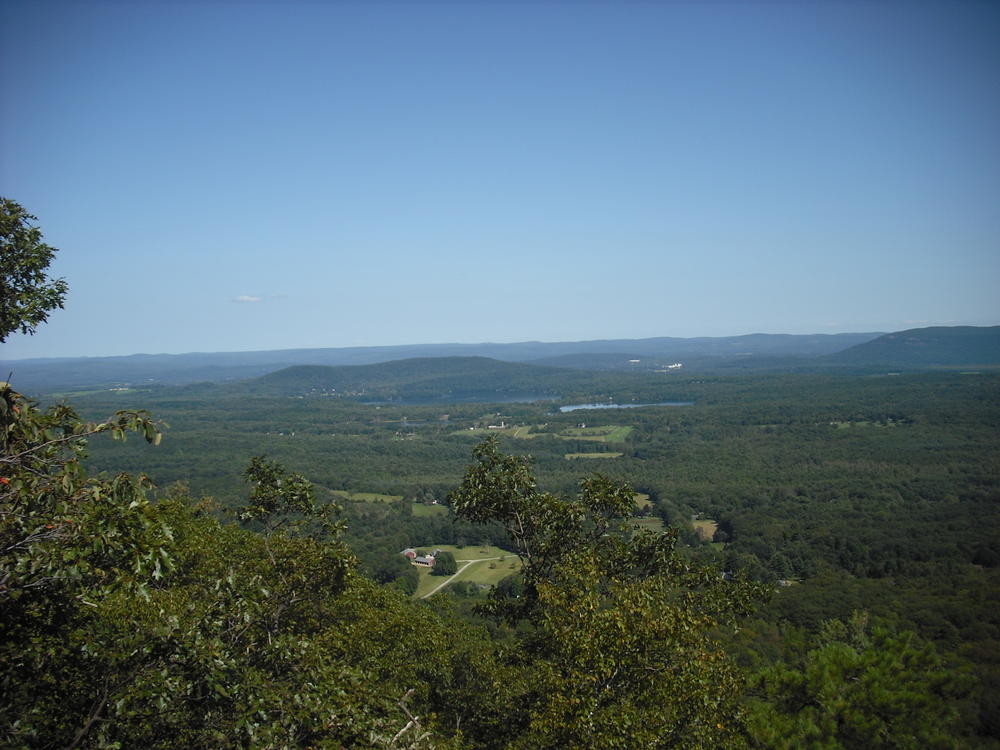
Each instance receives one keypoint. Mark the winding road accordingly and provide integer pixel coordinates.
(457, 573)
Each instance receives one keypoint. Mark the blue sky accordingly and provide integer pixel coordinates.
(224, 176)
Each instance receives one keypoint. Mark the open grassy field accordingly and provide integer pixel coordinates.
(705, 527)
(426, 583)
(481, 572)
(607, 434)
(420, 510)
(473, 551)
(571, 456)
(474, 563)
(366, 497)
(652, 523)
(521, 432)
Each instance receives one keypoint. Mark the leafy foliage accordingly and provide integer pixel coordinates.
(275, 492)
(50, 507)
(69, 544)
(26, 294)
(859, 687)
(128, 620)
(620, 637)
(444, 564)
(874, 493)
(133, 623)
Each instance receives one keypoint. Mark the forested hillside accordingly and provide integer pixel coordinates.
(941, 346)
(132, 622)
(500, 375)
(916, 349)
(866, 506)
(774, 561)
(76, 373)
(856, 493)
(446, 379)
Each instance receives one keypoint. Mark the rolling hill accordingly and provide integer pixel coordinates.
(956, 346)
(83, 373)
(422, 377)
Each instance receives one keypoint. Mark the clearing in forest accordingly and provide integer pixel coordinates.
(611, 433)
(366, 497)
(422, 510)
(520, 432)
(483, 564)
(705, 528)
(650, 523)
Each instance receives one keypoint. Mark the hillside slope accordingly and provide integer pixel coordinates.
(81, 373)
(926, 347)
(416, 378)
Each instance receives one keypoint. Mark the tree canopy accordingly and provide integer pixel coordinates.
(131, 617)
(132, 621)
(444, 564)
(620, 624)
(27, 295)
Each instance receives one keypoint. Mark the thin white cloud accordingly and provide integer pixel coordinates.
(248, 298)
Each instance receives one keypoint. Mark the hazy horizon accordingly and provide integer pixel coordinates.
(432, 344)
(229, 176)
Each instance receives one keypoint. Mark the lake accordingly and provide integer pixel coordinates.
(469, 398)
(575, 407)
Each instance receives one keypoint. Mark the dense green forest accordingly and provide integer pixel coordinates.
(776, 560)
(843, 494)
(767, 561)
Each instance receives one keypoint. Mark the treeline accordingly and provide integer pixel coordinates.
(865, 493)
(131, 621)
(378, 532)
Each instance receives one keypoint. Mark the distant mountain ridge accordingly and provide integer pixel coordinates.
(912, 349)
(415, 377)
(46, 375)
(937, 346)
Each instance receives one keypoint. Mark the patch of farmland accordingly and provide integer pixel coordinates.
(604, 434)
(650, 523)
(422, 510)
(521, 432)
(366, 497)
(705, 528)
(483, 564)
